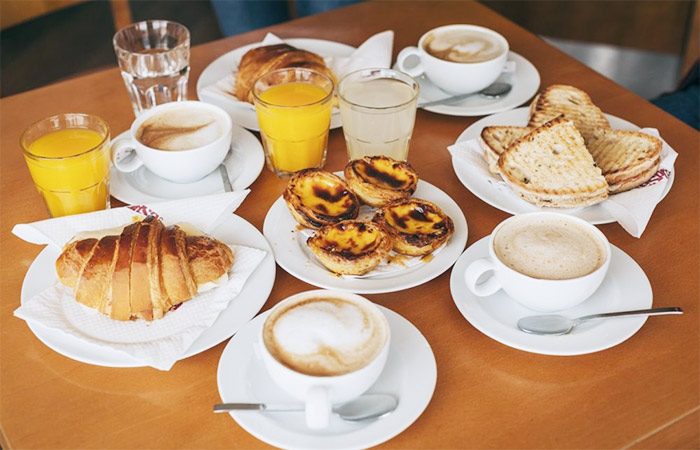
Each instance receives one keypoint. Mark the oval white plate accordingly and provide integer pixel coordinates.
(234, 230)
(526, 81)
(490, 188)
(410, 374)
(243, 113)
(280, 229)
(625, 287)
(244, 165)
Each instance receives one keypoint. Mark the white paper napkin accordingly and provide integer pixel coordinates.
(631, 209)
(159, 343)
(374, 52)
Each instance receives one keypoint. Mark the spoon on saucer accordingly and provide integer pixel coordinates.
(364, 407)
(554, 324)
(494, 90)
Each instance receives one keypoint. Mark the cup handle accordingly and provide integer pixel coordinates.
(124, 155)
(475, 270)
(404, 54)
(318, 408)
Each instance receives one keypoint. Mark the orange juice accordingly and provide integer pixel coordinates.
(294, 119)
(70, 168)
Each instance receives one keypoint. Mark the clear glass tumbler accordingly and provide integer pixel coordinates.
(294, 111)
(154, 57)
(68, 156)
(378, 109)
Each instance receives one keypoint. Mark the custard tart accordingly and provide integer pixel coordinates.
(317, 198)
(379, 180)
(351, 247)
(417, 227)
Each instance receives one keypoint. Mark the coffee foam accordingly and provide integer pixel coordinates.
(180, 129)
(324, 336)
(462, 46)
(549, 248)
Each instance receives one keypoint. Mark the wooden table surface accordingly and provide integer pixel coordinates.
(642, 393)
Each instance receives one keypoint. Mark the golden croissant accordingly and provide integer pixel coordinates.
(143, 272)
(262, 60)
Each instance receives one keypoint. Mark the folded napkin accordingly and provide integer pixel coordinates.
(631, 209)
(374, 52)
(159, 343)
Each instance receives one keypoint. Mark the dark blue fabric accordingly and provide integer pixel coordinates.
(238, 16)
(684, 103)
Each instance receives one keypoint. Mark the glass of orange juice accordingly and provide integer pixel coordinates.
(294, 111)
(68, 156)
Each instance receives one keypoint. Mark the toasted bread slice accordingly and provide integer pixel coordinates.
(575, 105)
(495, 140)
(626, 158)
(551, 167)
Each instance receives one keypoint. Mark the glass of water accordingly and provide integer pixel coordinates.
(154, 57)
(378, 108)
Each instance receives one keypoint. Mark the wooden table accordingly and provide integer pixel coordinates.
(642, 393)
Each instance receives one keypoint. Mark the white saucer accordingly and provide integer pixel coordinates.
(244, 164)
(410, 375)
(282, 231)
(625, 287)
(525, 81)
(243, 113)
(491, 189)
(234, 230)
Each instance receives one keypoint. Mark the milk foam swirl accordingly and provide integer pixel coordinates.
(462, 46)
(324, 336)
(180, 129)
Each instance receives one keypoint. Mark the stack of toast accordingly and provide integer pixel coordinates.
(568, 156)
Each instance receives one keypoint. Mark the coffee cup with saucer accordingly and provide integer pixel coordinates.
(546, 261)
(409, 375)
(459, 59)
(178, 141)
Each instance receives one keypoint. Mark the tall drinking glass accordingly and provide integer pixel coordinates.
(154, 57)
(378, 108)
(294, 111)
(68, 158)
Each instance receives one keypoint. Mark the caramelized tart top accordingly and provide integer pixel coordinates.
(321, 196)
(386, 173)
(350, 238)
(415, 217)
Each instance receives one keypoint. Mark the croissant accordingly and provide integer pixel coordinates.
(262, 60)
(143, 272)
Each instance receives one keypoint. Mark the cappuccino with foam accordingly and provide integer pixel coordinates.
(325, 336)
(551, 248)
(181, 129)
(462, 45)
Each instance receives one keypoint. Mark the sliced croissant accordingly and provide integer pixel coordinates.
(144, 271)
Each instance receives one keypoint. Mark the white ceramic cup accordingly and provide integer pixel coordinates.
(181, 166)
(319, 393)
(454, 77)
(545, 295)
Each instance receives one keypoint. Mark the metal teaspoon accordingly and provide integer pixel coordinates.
(557, 325)
(495, 90)
(367, 406)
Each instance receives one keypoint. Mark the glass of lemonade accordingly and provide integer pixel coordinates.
(68, 156)
(378, 108)
(154, 58)
(294, 111)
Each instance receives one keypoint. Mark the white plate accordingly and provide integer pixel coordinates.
(525, 81)
(491, 189)
(243, 113)
(244, 164)
(281, 230)
(410, 375)
(625, 287)
(234, 230)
